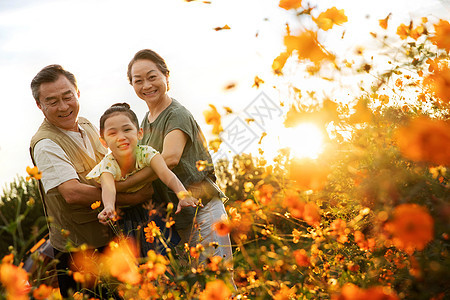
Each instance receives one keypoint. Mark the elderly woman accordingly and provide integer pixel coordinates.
(172, 130)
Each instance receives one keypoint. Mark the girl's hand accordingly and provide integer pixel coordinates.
(187, 201)
(106, 215)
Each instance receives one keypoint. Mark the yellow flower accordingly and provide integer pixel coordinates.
(96, 204)
(330, 17)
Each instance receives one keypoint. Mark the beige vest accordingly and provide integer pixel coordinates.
(71, 224)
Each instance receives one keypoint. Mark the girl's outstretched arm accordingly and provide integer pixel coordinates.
(171, 180)
(108, 198)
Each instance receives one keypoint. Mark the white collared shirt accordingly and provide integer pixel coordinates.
(54, 163)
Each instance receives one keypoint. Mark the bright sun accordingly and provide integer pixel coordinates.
(304, 140)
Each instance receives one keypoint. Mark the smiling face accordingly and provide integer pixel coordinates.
(58, 101)
(121, 136)
(149, 83)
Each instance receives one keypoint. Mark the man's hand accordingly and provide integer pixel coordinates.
(187, 201)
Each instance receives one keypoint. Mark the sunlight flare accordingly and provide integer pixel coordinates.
(304, 140)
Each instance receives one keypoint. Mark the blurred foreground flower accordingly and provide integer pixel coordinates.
(332, 16)
(439, 81)
(307, 47)
(308, 174)
(42, 292)
(215, 290)
(425, 139)
(442, 36)
(212, 117)
(290, 4)
(412, 227)
(15, 281)
(33, 173)
(352, 292)
(119, 261)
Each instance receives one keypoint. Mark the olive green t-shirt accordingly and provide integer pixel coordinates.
(176, 116)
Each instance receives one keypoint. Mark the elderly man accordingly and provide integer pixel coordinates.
(65, 148)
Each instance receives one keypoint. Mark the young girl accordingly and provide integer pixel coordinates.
(120, 132)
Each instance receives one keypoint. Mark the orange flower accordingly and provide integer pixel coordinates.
(86, 267)
(222, 227)
(311, 214)
(290, 4)
(33, 173)
(285, 293)
(212, 117)
(264, 194)
(195, 251)
(362, 112)
(155, 266)
(308, 174)
(330, 17)
(403, 31)
(15, 280)
(215, 290)
(151, 231)
(213, 263)
(412, 227)
(225, 27)
(384, 22)
(339, 228)
(42, 292)
(119, 260)
(294, 203)
(249, 206)
(442, 36)
(307, 47)
(8, 259)
(296, 236)
(352, 292)
(301, 258)
(258, 82)
(425, 139)
(364, 244)
(96, 204)
(439, 81)
(417, 32)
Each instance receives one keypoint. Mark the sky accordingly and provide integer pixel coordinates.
(96, 39)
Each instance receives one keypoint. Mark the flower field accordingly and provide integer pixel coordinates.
(367, 218)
